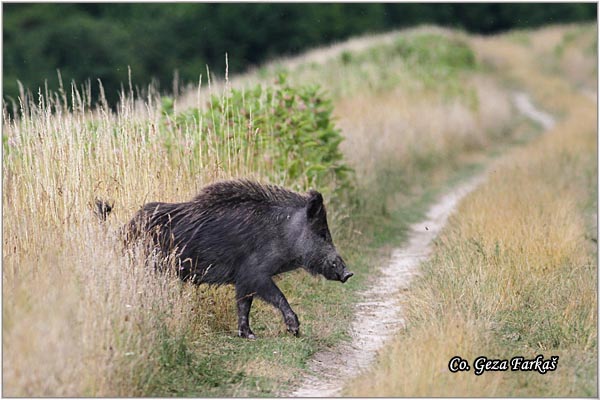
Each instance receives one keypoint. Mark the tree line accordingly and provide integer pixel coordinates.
(90, 41)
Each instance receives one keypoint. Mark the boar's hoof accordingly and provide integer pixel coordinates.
(294, 330)
(246, 334)
(293, 325)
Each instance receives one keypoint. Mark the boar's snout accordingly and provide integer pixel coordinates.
(342, 272)
(335, 270)
(347, 274)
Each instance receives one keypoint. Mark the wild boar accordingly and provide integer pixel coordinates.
(243, 233)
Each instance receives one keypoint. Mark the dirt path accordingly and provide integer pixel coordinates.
(379, 315)
(526, 107)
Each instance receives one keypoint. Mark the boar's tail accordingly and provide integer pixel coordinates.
(103, 209)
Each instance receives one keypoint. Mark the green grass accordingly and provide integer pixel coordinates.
(509, 277)
(220, 364)
(147, 335)
(214, 365)
(413, 60)
(514, 272)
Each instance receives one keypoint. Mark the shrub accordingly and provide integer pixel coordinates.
(280, 129)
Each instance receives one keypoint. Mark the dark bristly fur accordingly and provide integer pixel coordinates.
(103, 209)
(243, 233)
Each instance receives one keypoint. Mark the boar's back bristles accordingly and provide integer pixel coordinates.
(245, 192)
(197, 229)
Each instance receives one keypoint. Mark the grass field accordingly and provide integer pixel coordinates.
(515, 272)
(416, 109)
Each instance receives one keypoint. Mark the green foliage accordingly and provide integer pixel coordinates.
(167, 105)
(437, 60)
(5, 145)
(278, 127)
(436, 51)
(429, 60)
(346, 57)
(179, 371)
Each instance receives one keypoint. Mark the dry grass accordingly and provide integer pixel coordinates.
(512, 276)
(80, 317)
(408, 131)
(514, 273)
(83, 318)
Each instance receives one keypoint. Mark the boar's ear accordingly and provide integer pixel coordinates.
(315, 204)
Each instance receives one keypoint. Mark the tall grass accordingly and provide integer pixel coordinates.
(414, 134)
(79, 316)
(514, 274)
(83, 317)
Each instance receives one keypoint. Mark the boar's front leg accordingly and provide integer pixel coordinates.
(268, 291)
(244, 299)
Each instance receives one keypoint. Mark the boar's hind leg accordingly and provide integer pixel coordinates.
(267, 290)
(244, 302)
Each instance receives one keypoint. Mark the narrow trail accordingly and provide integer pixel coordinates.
(527, 108)
(379, 315)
